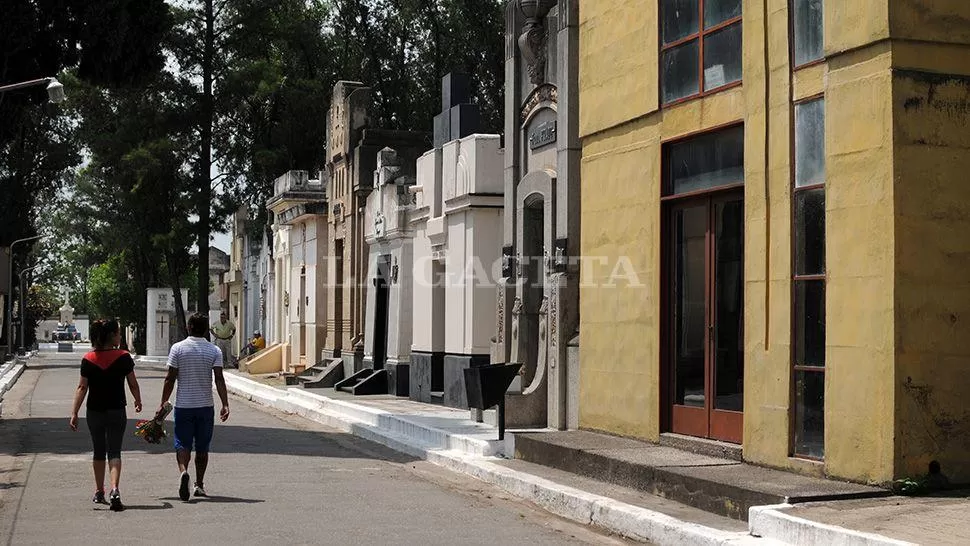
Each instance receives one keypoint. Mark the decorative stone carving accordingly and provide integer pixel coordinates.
(553, 315)
(379, 224)
(516, 313)
(532, 41)
(500, 315)
(543, 335)
(545, 93)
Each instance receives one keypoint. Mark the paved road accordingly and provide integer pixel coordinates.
(272, 478)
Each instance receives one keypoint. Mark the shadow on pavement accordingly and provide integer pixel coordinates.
(10, 485)
(163, 506)
(52, 435)
(215, 499)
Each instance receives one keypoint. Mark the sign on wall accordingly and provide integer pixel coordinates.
(543, 135)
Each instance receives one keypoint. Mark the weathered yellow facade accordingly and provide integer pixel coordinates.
(896, 83)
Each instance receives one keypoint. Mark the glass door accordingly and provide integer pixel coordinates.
(705, 316)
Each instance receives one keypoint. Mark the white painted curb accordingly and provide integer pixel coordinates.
(774, 523)
(9, 374)
(377, 426)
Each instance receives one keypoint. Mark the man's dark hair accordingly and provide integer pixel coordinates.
(198, 325)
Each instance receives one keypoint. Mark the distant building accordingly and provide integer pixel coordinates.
(218, 266)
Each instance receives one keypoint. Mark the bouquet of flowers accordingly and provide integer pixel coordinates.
(151, 429)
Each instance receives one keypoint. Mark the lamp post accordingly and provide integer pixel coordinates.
(10, 290)
(55, 90)
(23, 309)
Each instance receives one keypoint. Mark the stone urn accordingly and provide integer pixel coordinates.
(532, 42)
(536, 9)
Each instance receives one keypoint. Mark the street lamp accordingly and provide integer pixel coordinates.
(55, 93)
(55, 90)
(22, 310)
(10, 290)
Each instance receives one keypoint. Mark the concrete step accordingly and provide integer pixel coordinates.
(718, 485)
(442, 429)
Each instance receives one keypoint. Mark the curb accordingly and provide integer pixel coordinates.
(476, 458)
(573, 504)
(9, 374)
(772, 522)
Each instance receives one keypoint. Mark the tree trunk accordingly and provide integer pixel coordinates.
(176, 281)
(203, 174)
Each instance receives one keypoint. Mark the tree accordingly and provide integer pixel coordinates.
(127, 209)
(41, 302)
(113, 43)
(277, 88)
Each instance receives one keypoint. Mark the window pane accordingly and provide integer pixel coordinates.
(810, 143)
(689, 303)
(807, 22)
(810, 414)
(718, 11)
(679, 19)
(810, 232)
(680, 71)
(706, 161)
(722, 57)
(809, 323)
(729, 305)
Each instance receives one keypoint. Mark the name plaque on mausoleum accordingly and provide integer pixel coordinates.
(543, 135)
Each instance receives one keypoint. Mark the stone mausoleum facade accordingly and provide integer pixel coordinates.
(538, 295)
(352, 147)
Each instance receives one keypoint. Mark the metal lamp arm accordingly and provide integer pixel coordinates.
(21, 85)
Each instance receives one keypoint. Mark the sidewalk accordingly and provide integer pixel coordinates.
(449, 438)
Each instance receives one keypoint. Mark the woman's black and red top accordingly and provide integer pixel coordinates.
(106, 372)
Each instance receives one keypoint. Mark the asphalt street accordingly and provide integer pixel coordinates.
(272, 478)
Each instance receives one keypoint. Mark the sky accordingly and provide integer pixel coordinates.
(220, 241)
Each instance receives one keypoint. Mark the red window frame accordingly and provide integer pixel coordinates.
(796, 278)
(701, 35)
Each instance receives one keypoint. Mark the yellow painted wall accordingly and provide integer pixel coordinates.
(619, 334)
(946, 21)
(619, 76)
(859, 395)
(932, 290)
(767, 203)
(850, 24)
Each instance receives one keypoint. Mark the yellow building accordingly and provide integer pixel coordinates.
(776, 229)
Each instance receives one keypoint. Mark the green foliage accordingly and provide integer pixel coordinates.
(111, 293)
(111, 43)
(910, 486)
(173, 148)
(41, 302)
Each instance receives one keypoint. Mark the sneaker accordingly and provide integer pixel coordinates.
(115, 499)
(199, 491)
(184, 486)
(99, 497)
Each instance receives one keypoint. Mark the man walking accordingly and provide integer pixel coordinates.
(192, 364)
(223, 331)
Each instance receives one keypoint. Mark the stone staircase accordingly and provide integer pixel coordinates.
(324, 374)
(366, 381)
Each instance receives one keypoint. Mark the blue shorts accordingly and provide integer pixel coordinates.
(194, 424)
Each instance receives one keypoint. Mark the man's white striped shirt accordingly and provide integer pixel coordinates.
(194, 357)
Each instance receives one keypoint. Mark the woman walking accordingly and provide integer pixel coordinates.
(104, 372)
